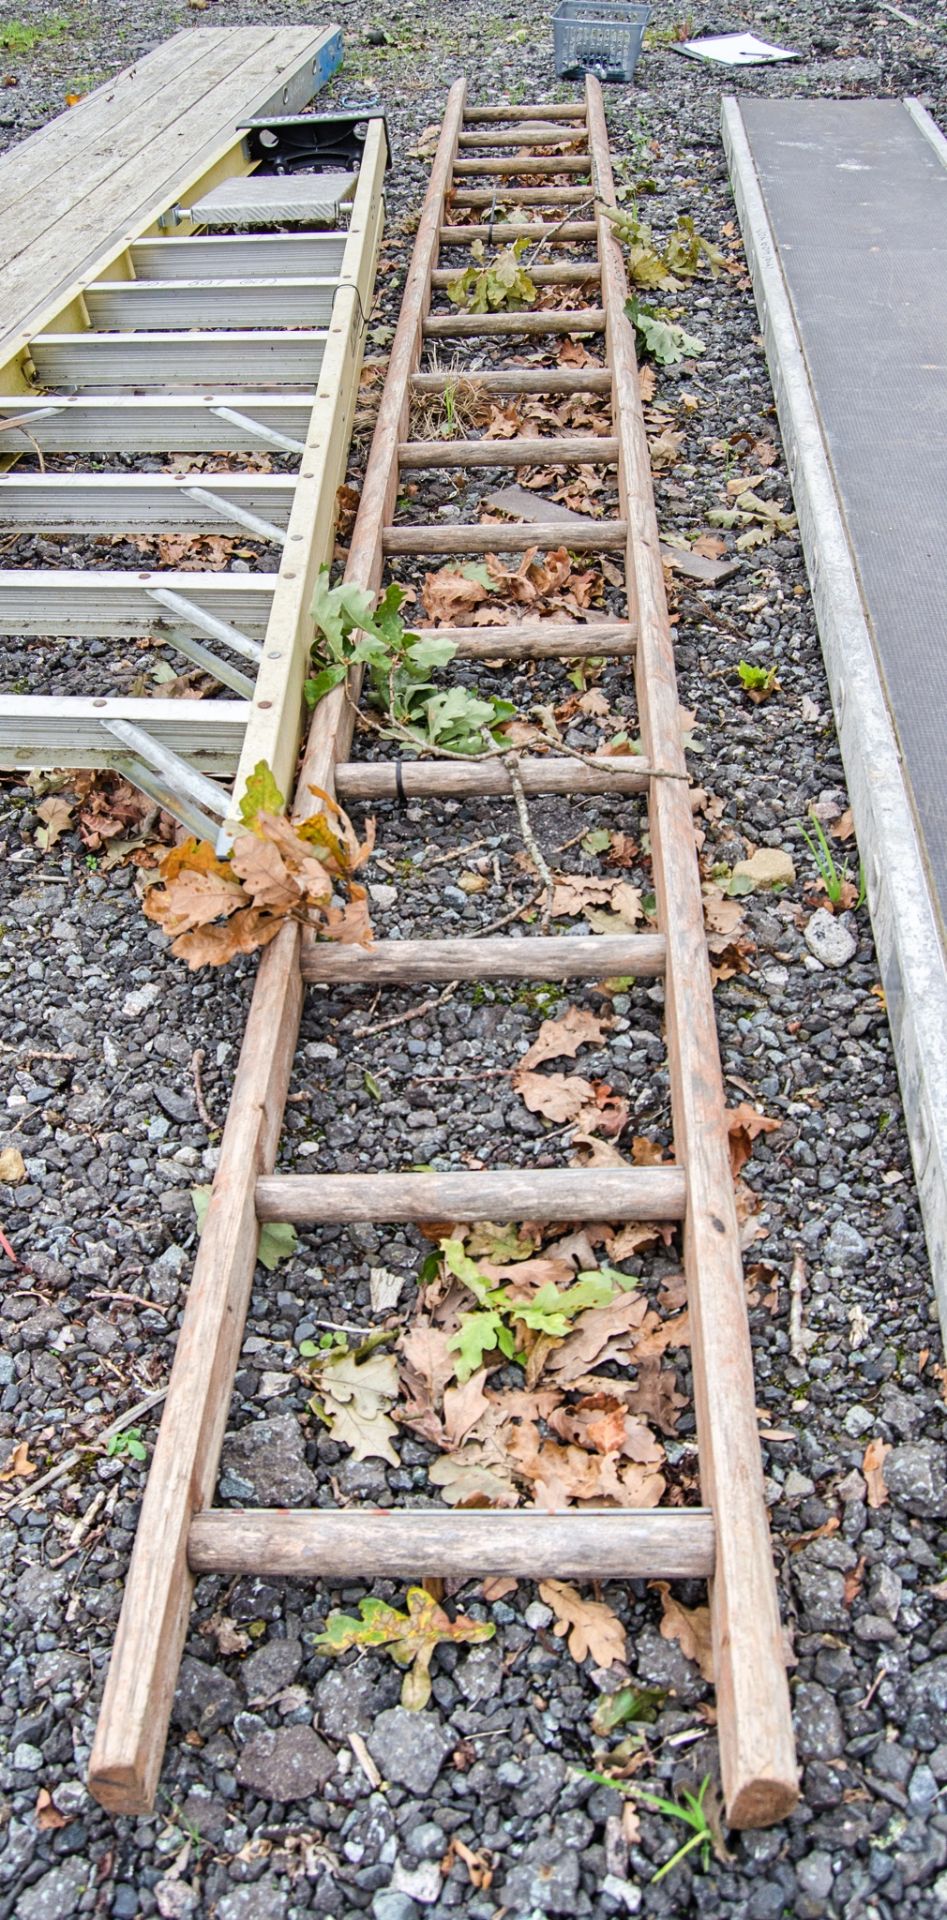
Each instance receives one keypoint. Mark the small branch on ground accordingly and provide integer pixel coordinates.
(529, 838)
(797, 1286)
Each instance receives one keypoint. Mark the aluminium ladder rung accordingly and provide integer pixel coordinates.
(392, 1543)
(181, 422)
(587, 449)
(541, 1193)
(38, 730)
(144, 503)
(229, 358)
(141, 305)
(102, 604)
(451, 779)
(214, 256)
(595, 956)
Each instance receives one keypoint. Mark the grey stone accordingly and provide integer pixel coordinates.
(922, 1788)
(537, 1615)
(815, 1875)
(175, 1899)
(346, 1702)
(916, 1478)
(263, 1901)
(822, 1593)
(819, 1731)
(410, 1748)
(545, 1779)
(884, 1591)
(620, 1896)
(858, 1420)
(389, 1904)
(38, 1590)
(27, 1758)
(545, 1879)
(274, 1667)
(426, 1841)
(830, 940)
(481, 1675)
(288, 1763)
(271, 1456)
(206, 1698)
(422, 1883)
(844, 1245)
(57, 1895)
(660, 1663)
(899, 1411)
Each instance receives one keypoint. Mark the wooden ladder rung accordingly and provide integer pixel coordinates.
(547, 641)
(524, 197)
(596, 956)
(549, 320)
(390, 1543)
(601, 450)
(475, 779)
(563, 110)
(518, 380)
(496, 536)
(562, 273)
(553, 163)
(503, 231)
(540, 1193)
(535, 135)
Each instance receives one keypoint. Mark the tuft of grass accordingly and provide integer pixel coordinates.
(18, 38)
(833, 877)
(689, 1809)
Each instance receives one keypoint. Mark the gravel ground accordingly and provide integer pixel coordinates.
(259, 1818)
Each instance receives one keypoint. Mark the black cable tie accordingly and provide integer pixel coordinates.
(399, 782)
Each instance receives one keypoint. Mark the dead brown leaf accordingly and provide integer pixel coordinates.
(744, 1123)
(560, 1039)
(689, 1626)
(592, 1627)
(19, 1466)
(873, 1470)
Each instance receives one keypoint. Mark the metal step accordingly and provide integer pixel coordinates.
(265, 200)
(36, 731)
(138, 304)
(41, 604)
(146, 503)
(130, 361)
(228, 422)
(226, 256)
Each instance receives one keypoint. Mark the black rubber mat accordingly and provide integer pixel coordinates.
(856, 195)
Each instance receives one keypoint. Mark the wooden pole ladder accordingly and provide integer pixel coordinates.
(726, 1540)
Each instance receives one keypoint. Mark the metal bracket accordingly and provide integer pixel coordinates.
(313, 142)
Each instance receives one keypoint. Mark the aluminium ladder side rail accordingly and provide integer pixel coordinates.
(726, 1540)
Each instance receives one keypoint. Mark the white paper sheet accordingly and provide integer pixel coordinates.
(735, 50)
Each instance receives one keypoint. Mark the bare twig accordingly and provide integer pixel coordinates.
(69, 1460)
(413, 1013)
(797, 1284)
(574, 213)
(197, 1061)
(529, 838)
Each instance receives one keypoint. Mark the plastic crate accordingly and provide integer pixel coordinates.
(598, 36)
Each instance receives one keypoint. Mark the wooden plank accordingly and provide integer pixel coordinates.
(470, 326)
(568, 450)
(541, 1193)
(451, 779)
(276, 720)
(518, 380)
(234, 357)
(597, 956)
(107, 206)
(754, 1721)
(421, 1543)
(133, 1722)
(496, 536)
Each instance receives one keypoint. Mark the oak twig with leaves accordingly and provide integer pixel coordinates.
(353, 631)
(214, 907)
(493, 286)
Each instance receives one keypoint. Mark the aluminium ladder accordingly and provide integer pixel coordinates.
(192, 342)
(180, 1534)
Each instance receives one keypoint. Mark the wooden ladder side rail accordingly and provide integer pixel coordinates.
(139, 1690)
(757, 1750)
